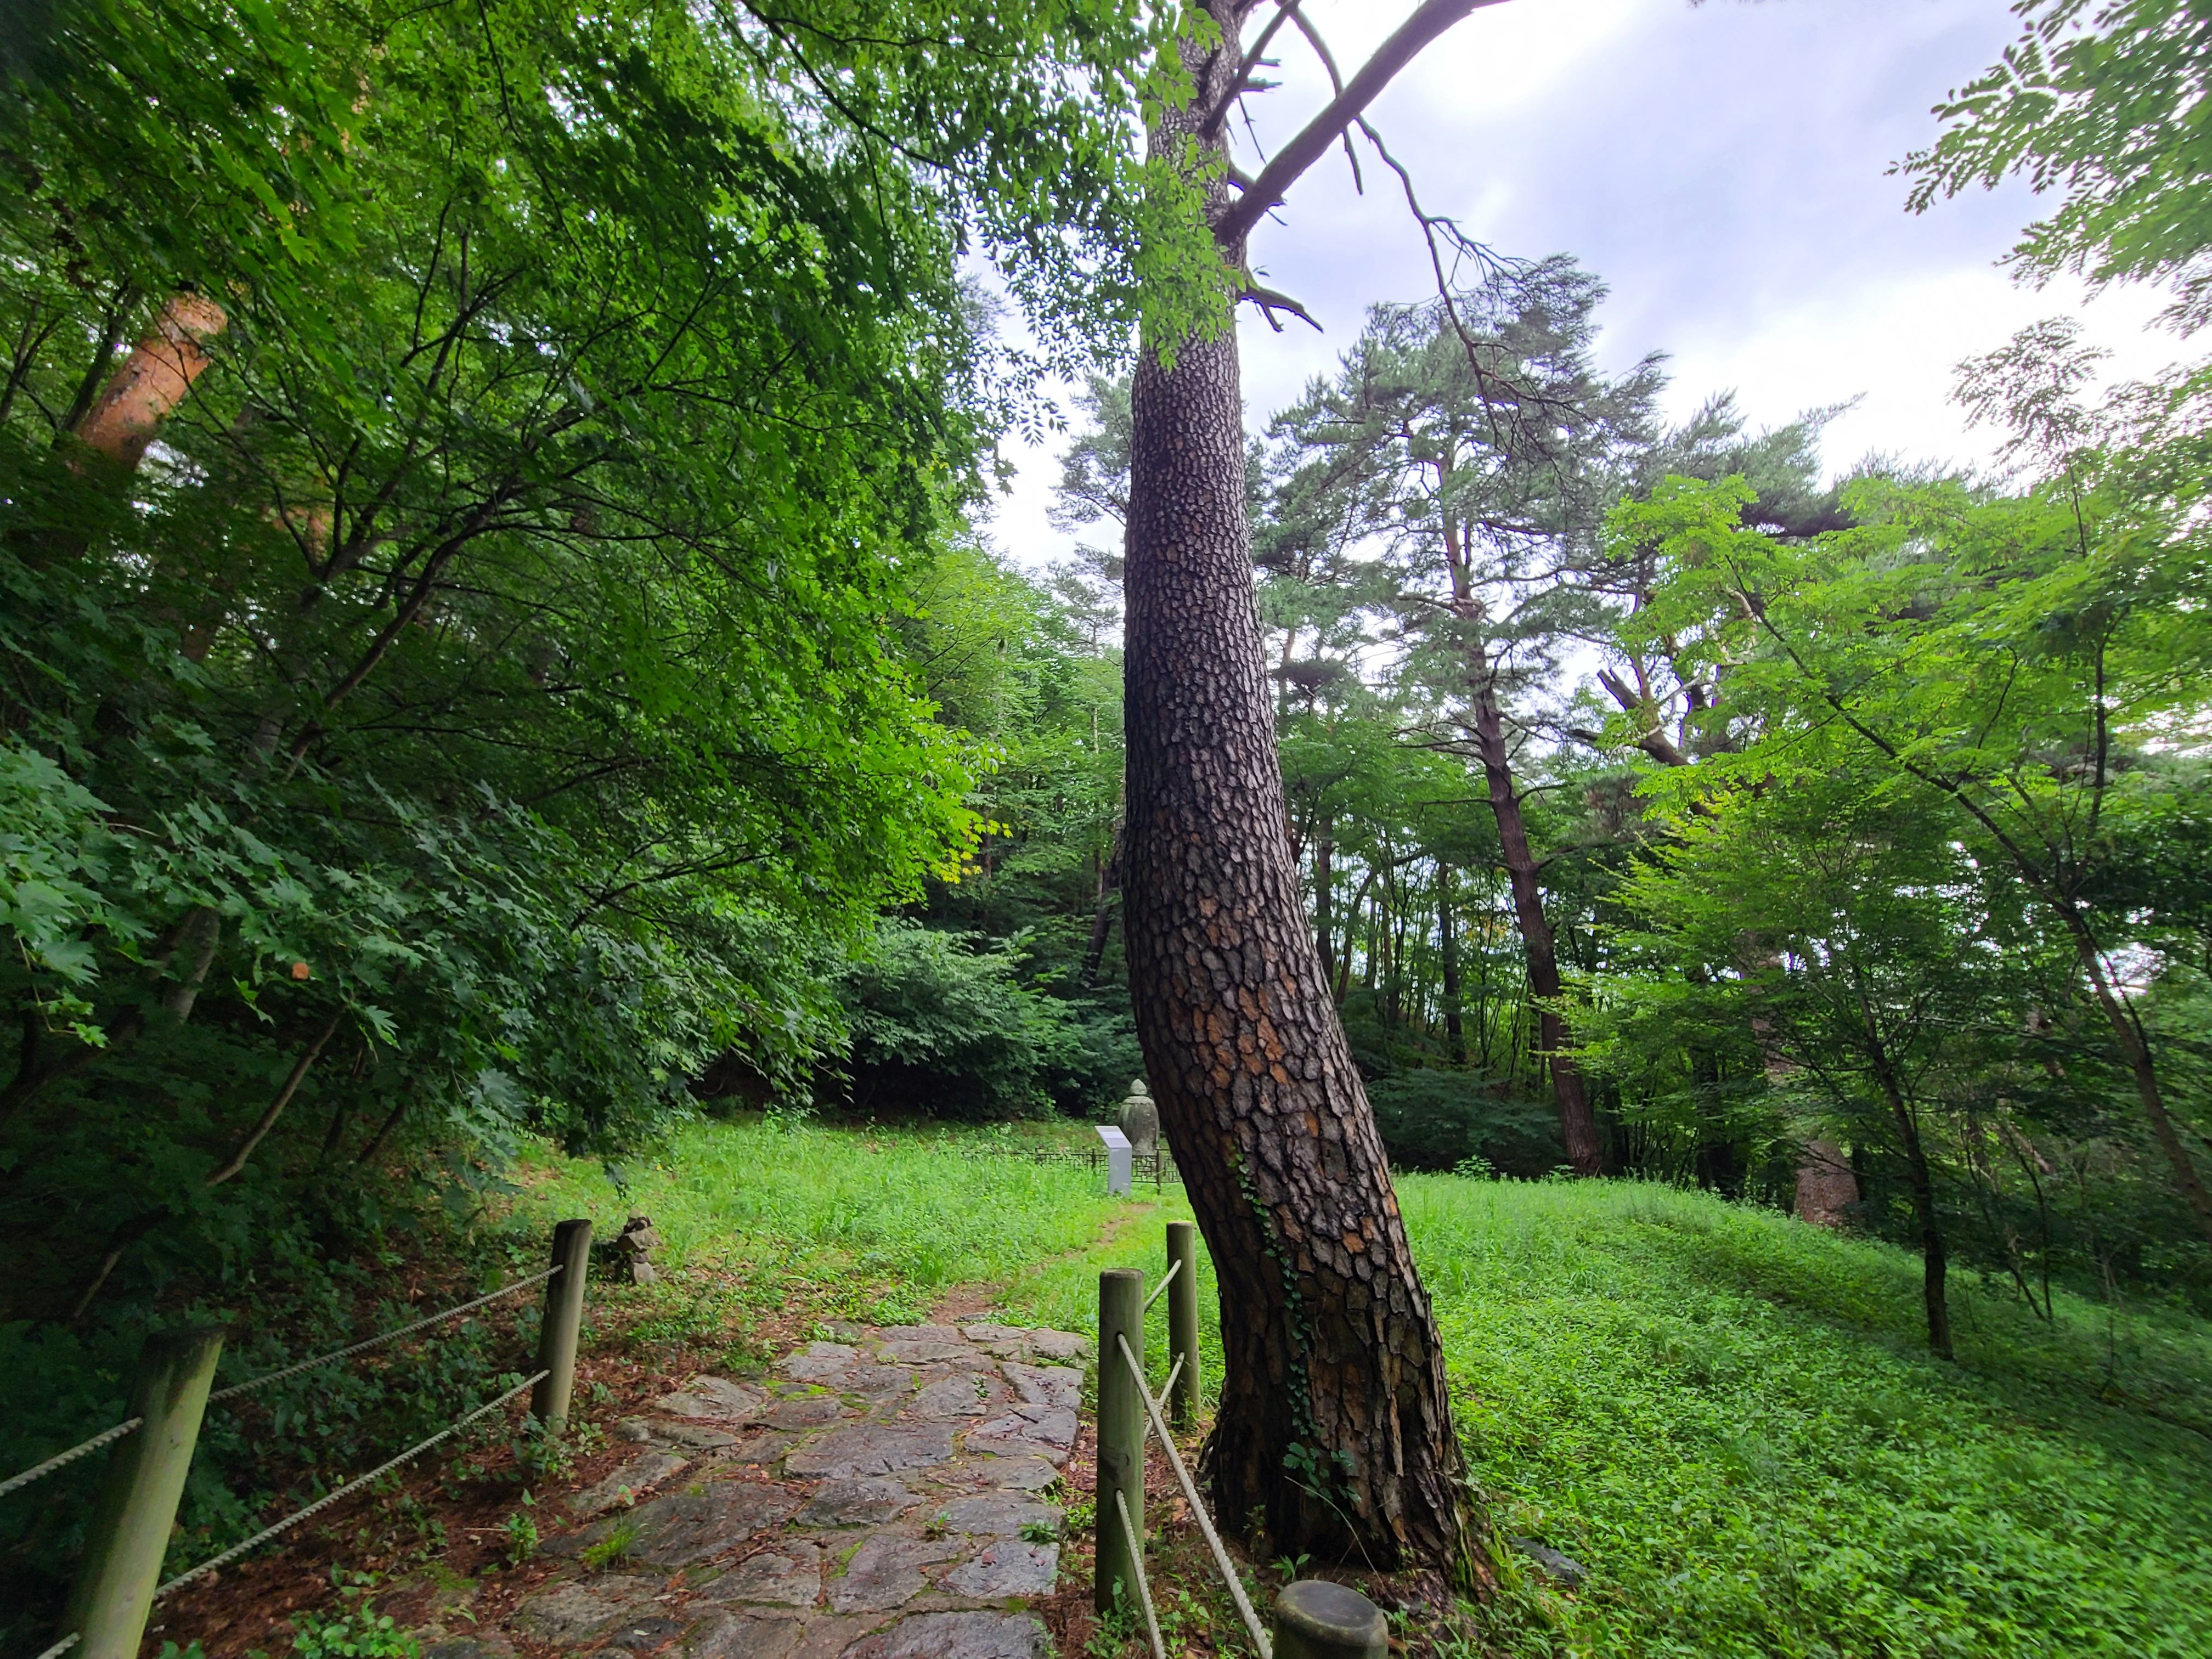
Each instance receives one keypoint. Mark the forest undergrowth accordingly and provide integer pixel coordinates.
(1726, 1417)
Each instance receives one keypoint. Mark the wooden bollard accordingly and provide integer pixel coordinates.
(1183, 1322)
(1317, 1620)
(1121, 1437)
(564, 1318)
(129, 1533)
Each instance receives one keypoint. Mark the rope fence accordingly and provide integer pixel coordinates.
(214, 1564)
(108, 1436)
(123, 1556)
(1252, 1627)
(1313, 1618)
(336, 1354)
(61, 1459)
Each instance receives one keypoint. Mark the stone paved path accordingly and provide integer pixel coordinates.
(877, 1498)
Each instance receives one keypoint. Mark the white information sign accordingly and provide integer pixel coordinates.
(1117, 1160)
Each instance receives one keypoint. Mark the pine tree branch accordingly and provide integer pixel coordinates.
(1429, 20)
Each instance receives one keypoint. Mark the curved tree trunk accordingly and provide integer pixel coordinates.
(1570, 1093)
(1335, 1422)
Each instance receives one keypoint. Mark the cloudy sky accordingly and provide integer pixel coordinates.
(1722, 166)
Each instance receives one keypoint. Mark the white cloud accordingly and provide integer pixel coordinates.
(1723, 167)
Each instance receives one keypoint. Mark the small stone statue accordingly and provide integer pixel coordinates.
(1139, 1119)
(639, 1239)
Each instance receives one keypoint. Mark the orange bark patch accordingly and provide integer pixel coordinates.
(153, 379)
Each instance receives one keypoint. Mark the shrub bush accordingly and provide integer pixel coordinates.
(942, 1025)
(1439, 1119)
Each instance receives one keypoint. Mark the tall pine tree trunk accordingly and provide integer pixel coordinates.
(1335, 1421)
(1577, 1124)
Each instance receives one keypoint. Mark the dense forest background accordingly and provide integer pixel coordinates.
(502, 639)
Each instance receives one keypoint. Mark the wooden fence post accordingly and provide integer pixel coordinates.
(564, 1318)
(1183, 1322)
(129, 1532)
(1120, 1438)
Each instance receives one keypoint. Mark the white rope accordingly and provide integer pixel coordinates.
(60, 1459)
(1174, 1371)
(345, 1491)
(1166, 1279)
(1137, 1562)
(237, 1388)
(108, 1436)
(1267, 1649)
(62, 1646)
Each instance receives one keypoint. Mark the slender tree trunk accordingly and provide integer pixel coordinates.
(1577, 1124)
(2143, 1069)
(1324, 882)
(1934, 1258)
(1102, 913)
(1335, 1418)
(1448, 953)
(1351, 936)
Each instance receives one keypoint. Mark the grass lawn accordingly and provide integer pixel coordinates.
(1726, 1417)
(1730, 1419)
(760, 1220)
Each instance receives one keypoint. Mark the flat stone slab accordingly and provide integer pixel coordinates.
(882, 1379)
(643, 1634)
(925, 1352)
(900, 1468)
(886, 1573)
(866, 1502)
(818, 1361)
(1046, 1432)
(570, 1612)
(1007, 1567)
(1018, 1471)
(998, 1514)
(622, 1487)
(673, 1431)
(788, 1575)
(745, 1636)
(1058, 1386)
(958, 1636)
(949, 1396)
(757, 1446)
(686, 1526)
(712, 1397)
(806, 1411)
(862, 1448)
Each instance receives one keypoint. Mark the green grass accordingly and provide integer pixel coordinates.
(1729, 1418)
(872, 1225)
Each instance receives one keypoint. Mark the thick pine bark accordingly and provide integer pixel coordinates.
(1335, 1421)
(1577, 1124)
